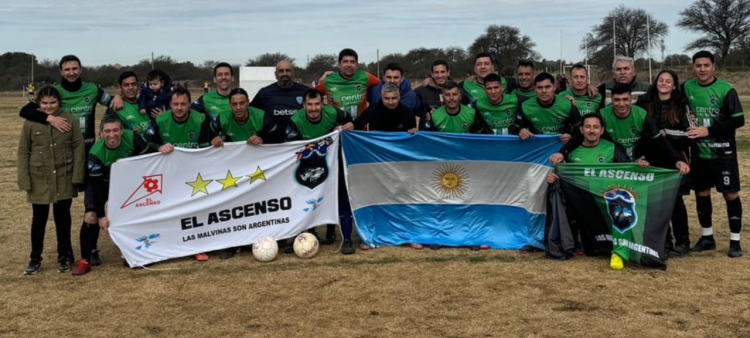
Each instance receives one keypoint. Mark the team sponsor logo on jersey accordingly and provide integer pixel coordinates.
(601, 158)
(86, 99)
(714, 100)
(558, 119)
(191, 135)
(358, 87)
(634, 131)
(621, 208)
(141, 196)
(509, 112)
(312, 170)
(465, 126)
(589, 104)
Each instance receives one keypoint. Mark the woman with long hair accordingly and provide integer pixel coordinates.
(667, 106)
(50, 170)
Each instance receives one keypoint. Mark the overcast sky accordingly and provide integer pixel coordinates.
(126, 31)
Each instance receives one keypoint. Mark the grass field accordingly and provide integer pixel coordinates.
(379, 293)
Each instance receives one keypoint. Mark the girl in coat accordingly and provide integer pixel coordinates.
(50, 170)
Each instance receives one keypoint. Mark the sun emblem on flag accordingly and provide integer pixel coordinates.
(450, 181)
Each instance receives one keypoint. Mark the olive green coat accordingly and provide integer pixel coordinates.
(50, 162)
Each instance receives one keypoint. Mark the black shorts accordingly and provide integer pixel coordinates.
(722, 173)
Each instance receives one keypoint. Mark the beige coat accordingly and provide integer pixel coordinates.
(50, 162)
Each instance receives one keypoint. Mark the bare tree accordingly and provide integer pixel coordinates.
(268, 60)
(631, 37)
(505, 44)
(723, 23)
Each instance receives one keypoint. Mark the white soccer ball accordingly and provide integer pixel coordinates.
(306, 245)
(265, 249)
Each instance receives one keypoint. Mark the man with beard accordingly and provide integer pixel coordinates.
(498, 108)
(484, 65)
(346, 88)
(316, 120)
(578, 93)
(216, 102)
(455, 117)
(79, 99)
(547, 114)
(283, 98)
(115, 143)
(623, 70)
(525, 76)
(718, 114)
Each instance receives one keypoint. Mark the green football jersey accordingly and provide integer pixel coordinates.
(256, 124)
(604, 152)
(500, 118)
(214, 104)
(476, 89)
(187, 134)
(714, 104)
(460, 123)
(132, 119)
(524, 95)
(586, 104)
(348, 95)
(302, 128)
(560, 117)
(627, 132)
(81, 105)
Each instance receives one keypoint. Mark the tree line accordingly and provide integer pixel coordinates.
(724, 26)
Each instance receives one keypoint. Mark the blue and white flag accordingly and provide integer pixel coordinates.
(448, 189)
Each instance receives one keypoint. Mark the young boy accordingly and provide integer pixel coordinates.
(154, 98)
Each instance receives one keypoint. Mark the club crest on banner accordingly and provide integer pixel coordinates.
(621, 208)
(312, 169)
(150, 185)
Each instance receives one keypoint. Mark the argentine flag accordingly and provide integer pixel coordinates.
(448, 189)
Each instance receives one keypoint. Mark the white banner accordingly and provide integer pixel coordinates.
(199, 200)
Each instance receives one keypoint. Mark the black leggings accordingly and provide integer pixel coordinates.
(61, 214)
(679, 224)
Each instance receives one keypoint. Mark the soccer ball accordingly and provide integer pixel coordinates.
(265, 249)
(305, 245)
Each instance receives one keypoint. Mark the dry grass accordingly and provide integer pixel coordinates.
(381, 293)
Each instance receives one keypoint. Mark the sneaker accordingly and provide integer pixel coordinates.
(329, 240)
(616, 262)
(436, 247)
(484, 247)
(228, 253)
(201, 257)
(34, 267)
(416, 246)
(63, 265)
(364, 247)
(289, 249)
(706, 243)
(474, 247)
(735, 250)
(95, 260)
(82, 268)
(347, 248)
(528, 249)
(679, 251)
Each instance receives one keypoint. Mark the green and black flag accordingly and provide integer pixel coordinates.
(621, 208)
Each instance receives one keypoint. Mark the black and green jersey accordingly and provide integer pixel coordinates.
(628, 131)
(258, 123)
(195, 132)
(523, 96)
(500, 118)
(476, 89)
(300, 128)
(604, 152)
(466, 121)
(585, 104)
(717, 107)
(133, 120)
(100, 160)
(213, 104)
(560, 117)
(81, 104)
